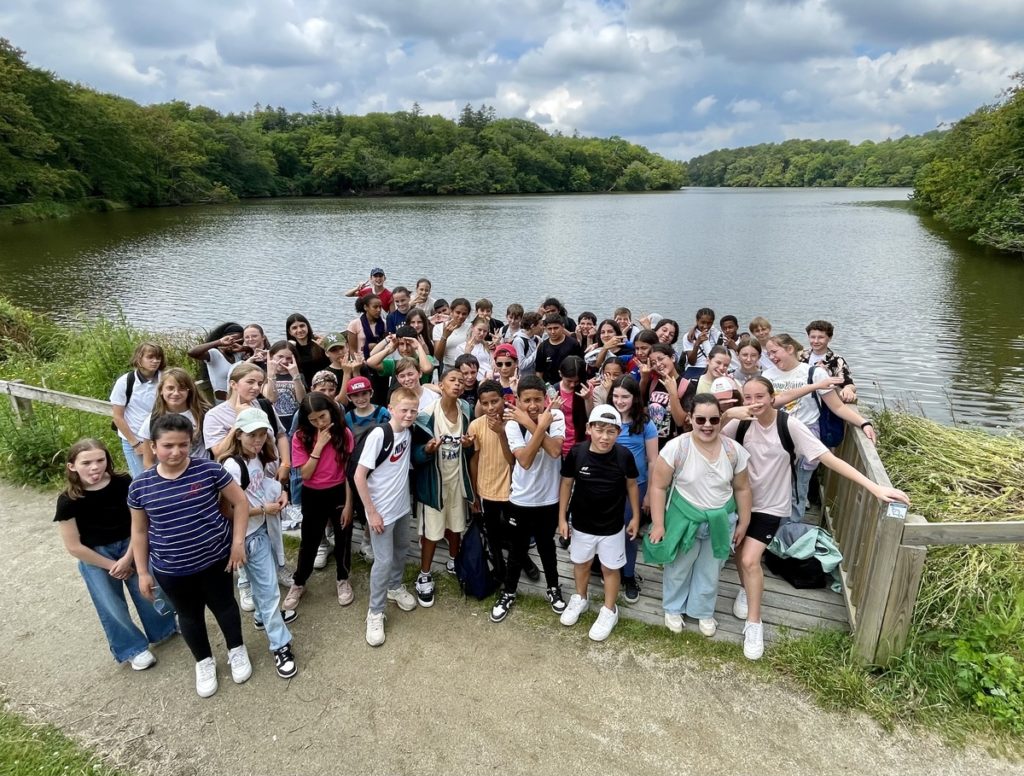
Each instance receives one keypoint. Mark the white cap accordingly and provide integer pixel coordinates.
(723, 387)
(252, 419)
(605, 413)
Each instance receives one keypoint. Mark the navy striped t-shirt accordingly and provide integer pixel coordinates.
(187, 532)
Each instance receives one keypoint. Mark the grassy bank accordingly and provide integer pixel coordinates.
(47, 210)
(37, 749)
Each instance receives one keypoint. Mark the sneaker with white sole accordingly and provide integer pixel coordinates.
(707, 626)
(630, 590)
(241, 668)
(366, 550)
(375, 629)
(345, 594)
(284, 662)
(577, 605)
(603, 625)
(449, 566)
(285, 576)
(674, 622)
(400, 595)
(291, 600)
(288, 615)
(145, 659)
(739, 606)
(245, 599)
(206, 677)
(554, 596)
(320, 561)
(753, 640)
(425, 589)
(502, 606)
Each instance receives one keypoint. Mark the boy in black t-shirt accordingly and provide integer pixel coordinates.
(555, 349)
(596, 478)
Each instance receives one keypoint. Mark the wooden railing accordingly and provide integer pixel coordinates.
(884, 555)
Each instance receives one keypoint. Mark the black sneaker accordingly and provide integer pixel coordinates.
(284, 661)
(502, 606)
(554, 596)
(563, 542)
(289, 615)
(531, 570)
(630, 590)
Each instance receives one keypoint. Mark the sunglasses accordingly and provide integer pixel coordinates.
(701, 421)
(505, 363)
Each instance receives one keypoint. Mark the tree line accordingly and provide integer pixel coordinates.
(62, 142)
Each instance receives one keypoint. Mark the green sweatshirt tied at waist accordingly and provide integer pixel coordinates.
(682, 521)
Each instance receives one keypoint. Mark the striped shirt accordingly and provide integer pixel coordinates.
(187, 532)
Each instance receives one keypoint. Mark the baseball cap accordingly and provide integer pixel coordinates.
(324, 376)
(332, 341)
(376, 271)
(252, 419)
(357, 385)
(605, 413)
(509, 351)
(722, 388)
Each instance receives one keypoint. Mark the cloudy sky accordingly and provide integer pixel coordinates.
(680, 76)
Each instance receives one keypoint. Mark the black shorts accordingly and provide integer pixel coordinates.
(763, 527)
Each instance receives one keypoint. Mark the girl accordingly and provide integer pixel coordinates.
(698, 343)
(610, 342)
(719, 361)
(133, 396)
(251, 460)
(667, 331)
(321, 448)
(178, 531)
(368, 329)
(665, 391)
(308, 353)
(417, 319)
(771, 482)
(574, 399)
(421, 298)
(610, 372)
(700, 506)
(749, 356)
(477, 345)
(642, 344)
(176, 392)
(801, 398)
(222, 349)
(285, 386)
(255, 339)
(640, 437)
(95, 526)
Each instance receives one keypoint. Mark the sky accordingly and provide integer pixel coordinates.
(682, 77)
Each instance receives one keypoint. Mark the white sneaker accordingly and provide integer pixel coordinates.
(321, 554)
(753, 640)
(577, 605)
(674, 622)
(400, 595)
(245, 599)
(145, 659)
(374, 629)
(366, 550)
(602, 627)
(206, 677)
(284, 576)
(739, 606)
(708, 626)
(241, 668)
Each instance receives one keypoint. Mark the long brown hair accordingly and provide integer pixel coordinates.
(266, 454)
(196, 404)
(73, 489)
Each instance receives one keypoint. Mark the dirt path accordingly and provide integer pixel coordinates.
(448, 693)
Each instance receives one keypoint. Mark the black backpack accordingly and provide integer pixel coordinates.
(385, 450)
(801, 573)
(128, 388)
(244, 479)
(472, 566)
(782, 424)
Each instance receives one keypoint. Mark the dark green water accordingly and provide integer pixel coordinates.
(923, 320)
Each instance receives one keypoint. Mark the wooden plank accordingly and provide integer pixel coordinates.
(878, 584)
(1009, 532)
(22, 408)
(899, 609)
(19, 391)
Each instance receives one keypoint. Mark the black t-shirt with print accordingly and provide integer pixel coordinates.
(598, 504)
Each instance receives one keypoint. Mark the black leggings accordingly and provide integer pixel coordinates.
(539, 522)
(192, 594)
(318, 508)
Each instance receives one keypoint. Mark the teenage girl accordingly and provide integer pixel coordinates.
(574, 400)
(176, 392)
(285, 386)
(321, 448)
(419, 321)
(719, 361)
(133, 396)
(771, 481)
(220, 352)
(698, 343)
(667, 331)
(661, 384)
(609, 341)
(308, 353)
(479, 346)
(178, 531)
(749, 355)
(252, 449)
(407, 375)
(96, 526)
(255, 339)
(611, 371)
(640, 437)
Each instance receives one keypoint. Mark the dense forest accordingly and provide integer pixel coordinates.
(63, 142)
(816, 163)
(975, 183)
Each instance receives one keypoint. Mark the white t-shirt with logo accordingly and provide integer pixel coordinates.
(804, 409)
(389, 484)
(537, 486)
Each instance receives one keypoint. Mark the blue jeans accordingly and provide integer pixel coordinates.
(389, 552)
(629, 570)
(123, 635)
(690, 583)
(133, 459)
(804, 470)
(261, 565)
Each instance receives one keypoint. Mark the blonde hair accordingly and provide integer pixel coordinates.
(240, 371)
(197, 405)
(266, 454)
(758, 323)
(786, 342)
(73, 488)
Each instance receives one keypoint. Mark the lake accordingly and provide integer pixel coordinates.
(924, 320)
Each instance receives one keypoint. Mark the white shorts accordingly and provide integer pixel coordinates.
(610, 549)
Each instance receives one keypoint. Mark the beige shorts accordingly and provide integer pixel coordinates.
(434, 523)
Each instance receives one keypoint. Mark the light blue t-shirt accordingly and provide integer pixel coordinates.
(636, 444)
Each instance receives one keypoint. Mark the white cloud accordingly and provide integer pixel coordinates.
(704, 105)
(744, 107)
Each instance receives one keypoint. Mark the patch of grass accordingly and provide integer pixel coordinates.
(38, 749)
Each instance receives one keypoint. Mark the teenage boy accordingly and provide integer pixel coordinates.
(468, 366)
(624, 317)
(527, 340)
(450, 336)
(441, 449)
(555, 349)
(343, 366)
(514, 316)
(819, 335)
(535, 436)
(485, 309)
(596, 478)
(362, 414)
(375, 285)
(398, 316)
(384, 491)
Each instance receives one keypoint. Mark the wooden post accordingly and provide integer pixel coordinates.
(877, 583)
(899, 609)
(22, 408)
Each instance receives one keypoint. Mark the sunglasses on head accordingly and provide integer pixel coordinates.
(505, 363)
(699, 420)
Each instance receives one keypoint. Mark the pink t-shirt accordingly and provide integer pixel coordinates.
(568, 397)
(330, 469)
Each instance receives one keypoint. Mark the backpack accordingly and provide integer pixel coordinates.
(472, 567)
(526, 365)
(357, 452)
(831, 427)
(782, 424)
(801, 573)
(244, 467)
(128, 388)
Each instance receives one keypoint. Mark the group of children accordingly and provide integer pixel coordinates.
(539, 426)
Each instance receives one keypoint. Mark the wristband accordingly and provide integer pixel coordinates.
(136, 444)
(315, 457)
(867, 423)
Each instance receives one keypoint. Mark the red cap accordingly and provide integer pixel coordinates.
(358, 385)
(506, 350)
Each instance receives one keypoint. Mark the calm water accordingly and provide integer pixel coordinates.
(923, 320)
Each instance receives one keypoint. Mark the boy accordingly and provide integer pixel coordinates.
(397, 317)
(485, 309)
(624, 317)
(527, 340)
(535, 437)
(468, 366)
(375, 285)
(388, 505)
(596, 478)
(450, 337)
(554, 350)
(343, 366)
(819, 335)
(361, 416)
(514, 316)
(730, 326)
(441, 450)
(762, 331)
